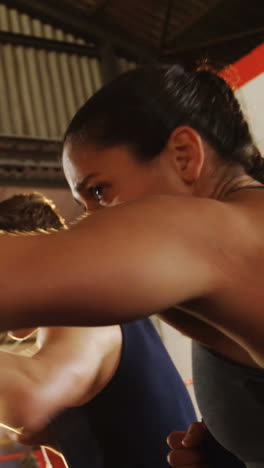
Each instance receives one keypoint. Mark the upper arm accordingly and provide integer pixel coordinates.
(135, 259)
(123, 263)
(145, 257)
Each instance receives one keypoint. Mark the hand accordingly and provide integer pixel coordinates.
(187, 451)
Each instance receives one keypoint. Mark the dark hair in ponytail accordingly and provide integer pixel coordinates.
(142, 107)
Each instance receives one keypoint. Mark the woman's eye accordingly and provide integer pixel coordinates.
(96, 193)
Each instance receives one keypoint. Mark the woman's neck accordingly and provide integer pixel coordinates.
(219, 182)
(235, 184)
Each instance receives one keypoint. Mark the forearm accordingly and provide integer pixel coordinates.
(71, 368)
(18, 390)
(78, 360)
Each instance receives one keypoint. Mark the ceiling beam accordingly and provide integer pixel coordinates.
(165, 26)
(76, 20)
(225, 39)
(199, 22)
(220, 52)
(26, 40)
(26, 178)
(100, 6)
(31, 162)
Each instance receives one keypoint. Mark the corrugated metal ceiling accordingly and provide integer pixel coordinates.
(46, 74)
(41, 89)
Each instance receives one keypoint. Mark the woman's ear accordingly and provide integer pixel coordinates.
(186, 153)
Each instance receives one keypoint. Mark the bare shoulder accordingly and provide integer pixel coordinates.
(202, 214)
(233, 227)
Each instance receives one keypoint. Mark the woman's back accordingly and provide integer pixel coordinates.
(242, 292)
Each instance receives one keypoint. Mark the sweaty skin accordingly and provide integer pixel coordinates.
(192, 267)
(183, 240)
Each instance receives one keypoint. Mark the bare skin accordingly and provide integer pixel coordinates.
(186, 447)
(195, 246)
(81, 361)
(188, 248)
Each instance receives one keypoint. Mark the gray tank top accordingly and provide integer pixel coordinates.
(230, 397)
